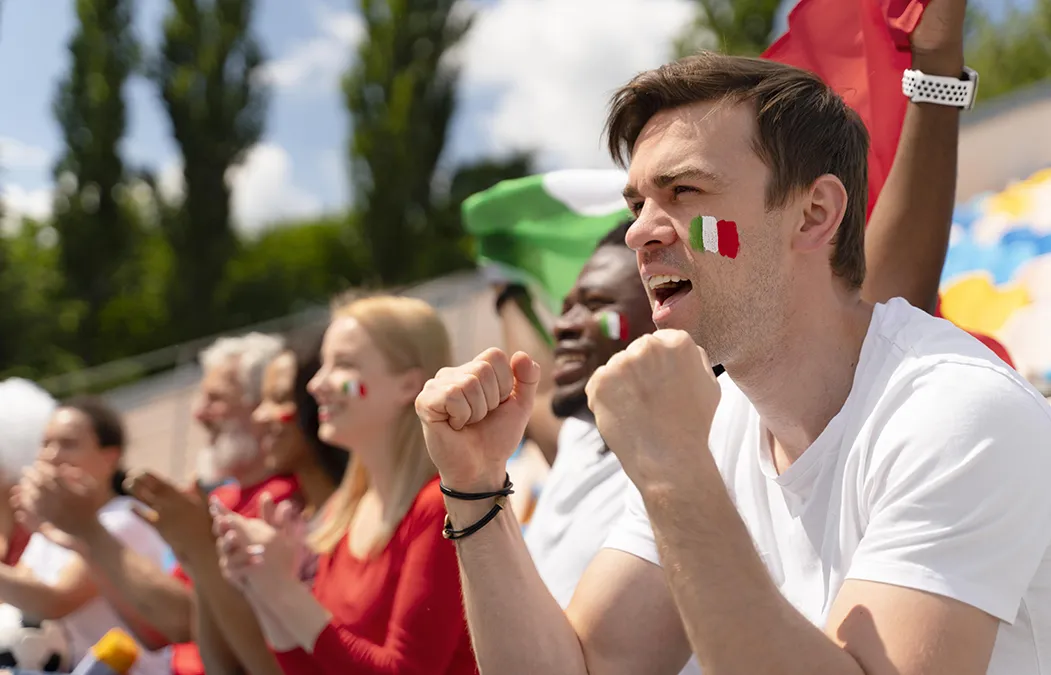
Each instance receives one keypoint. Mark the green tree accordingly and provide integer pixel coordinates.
(741, 27)
(95, 238)
(1013, 51)
(401, 94)
(208, 75)
(290, 267)
(34, 322)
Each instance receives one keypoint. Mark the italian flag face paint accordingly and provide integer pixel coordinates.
(708, 233)
(354, 389)
(613, 325)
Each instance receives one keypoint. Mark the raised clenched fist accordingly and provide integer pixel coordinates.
(654, 403)
(474, 416)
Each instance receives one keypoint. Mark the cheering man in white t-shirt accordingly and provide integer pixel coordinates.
(866, 491)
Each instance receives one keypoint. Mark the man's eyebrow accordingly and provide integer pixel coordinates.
(663, 180)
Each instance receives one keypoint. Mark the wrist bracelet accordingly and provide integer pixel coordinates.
(449, 533)
(509, 292)
(506, 491)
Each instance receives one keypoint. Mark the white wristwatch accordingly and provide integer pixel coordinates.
(956, 92)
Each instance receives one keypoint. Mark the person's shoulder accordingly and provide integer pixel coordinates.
(913, 335)
(954, 408)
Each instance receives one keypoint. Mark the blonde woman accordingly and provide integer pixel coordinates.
(386, 598)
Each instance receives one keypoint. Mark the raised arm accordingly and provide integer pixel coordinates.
(908, 233)
(520, 335)
(621, 620)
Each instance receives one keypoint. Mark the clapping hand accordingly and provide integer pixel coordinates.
(180, 517)
(259, 552)
(60, 502)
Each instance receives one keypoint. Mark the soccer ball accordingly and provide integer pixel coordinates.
(32, 645)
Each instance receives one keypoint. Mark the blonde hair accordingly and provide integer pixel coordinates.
(410, 335)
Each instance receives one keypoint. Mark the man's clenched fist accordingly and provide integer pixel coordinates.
(654, 403)
(474, 416)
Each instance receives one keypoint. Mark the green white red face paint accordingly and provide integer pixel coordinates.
(709, 234)
(354, 389)
(613, 325)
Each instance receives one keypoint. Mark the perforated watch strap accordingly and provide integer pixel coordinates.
(957, 92)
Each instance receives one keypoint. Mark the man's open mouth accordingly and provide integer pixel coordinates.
(666, 286)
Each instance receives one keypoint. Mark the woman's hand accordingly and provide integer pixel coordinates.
(181, 518)
(256, 553)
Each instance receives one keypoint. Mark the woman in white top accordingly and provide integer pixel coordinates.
(84, 440)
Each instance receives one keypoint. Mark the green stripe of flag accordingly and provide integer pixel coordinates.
(541, 229)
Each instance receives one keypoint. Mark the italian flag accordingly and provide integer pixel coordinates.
(613, 325)
(707, 233)
(540, 230)
(354, 389)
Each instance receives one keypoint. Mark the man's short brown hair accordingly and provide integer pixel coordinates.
(805, 130)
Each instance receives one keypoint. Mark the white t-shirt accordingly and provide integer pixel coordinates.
(933, 476)
(583, 498)
(87, 625)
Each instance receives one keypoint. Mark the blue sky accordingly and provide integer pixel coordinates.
(536, 74)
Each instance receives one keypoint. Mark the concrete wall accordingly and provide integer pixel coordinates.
(1003, 141)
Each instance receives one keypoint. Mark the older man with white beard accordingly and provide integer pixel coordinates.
(230, 390)
(165, 609)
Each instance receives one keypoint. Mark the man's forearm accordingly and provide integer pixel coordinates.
(140, 585)
(35, 598)
(736, 618)
(516, 625)
(232, 614)
(216, 655)
(908, 233)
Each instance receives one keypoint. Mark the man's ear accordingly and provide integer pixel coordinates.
(826, 202)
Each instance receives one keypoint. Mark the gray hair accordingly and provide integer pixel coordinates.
(253, 352)
(25, 410)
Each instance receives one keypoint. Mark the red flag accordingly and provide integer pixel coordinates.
(860, 48)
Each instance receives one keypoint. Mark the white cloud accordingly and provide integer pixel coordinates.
(263, 192)
(19, 203)
(553, 65)
(14, 154)
(319, 63)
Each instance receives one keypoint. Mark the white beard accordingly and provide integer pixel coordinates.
(235, 449)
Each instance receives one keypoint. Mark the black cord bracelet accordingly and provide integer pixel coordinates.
(449, 533)
(511, 291)
(506, 491)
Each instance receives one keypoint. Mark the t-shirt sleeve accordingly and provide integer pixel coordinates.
(954, 491)
(632, 533)
(135, 533)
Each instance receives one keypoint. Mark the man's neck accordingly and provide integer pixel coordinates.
(799, 378)
(376, 456)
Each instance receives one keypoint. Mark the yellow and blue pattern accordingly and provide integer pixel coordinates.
(997, 276)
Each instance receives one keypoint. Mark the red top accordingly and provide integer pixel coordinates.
(16, 543)
(398, 613)
(186, 658)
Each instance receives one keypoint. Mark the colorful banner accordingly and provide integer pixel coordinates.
(997, 276)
